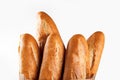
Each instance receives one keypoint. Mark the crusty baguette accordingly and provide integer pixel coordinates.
(45, 27)
(95, 47)
(75, 59)
(29, 57)
(53, 55)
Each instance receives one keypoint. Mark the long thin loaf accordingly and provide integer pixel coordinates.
(29, 57)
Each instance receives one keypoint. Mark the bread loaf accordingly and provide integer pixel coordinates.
(53, 55)
(29, 57)
(95, 47)
(75, 59)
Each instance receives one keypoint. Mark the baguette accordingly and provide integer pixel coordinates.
(53, 56)
(95, 47)
(75, 59)
(45, 27)
(29, 57)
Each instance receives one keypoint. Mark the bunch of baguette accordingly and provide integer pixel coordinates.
(46, 58)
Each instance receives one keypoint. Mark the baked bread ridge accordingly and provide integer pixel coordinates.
(95, 47)
(29, 57)
(53, 56)
(75, 58)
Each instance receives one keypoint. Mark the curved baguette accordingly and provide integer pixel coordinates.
(95, 47)
(75, 59)
(53, 56)
(29, 57)
(46, 26)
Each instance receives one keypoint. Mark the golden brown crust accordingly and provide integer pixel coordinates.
(53, 55)
(75, 59)
(95, 47)
(46, 26)
(29, 57)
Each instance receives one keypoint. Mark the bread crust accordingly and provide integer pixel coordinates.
(29, 57)
(45, 27)
(53, 56)
(95, 47)
(75, 59)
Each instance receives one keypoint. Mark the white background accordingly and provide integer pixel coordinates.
(71, 17)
